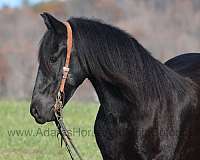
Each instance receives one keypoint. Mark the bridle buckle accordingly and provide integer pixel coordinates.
(65, 72)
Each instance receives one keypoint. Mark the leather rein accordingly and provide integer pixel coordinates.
(58, 107)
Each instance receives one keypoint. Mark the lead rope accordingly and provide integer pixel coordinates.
(58, 107)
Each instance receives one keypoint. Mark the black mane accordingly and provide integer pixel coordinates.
(115, 56)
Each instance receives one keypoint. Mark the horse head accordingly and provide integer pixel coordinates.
(52, 56)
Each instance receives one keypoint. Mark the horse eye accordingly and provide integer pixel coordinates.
(52, 59)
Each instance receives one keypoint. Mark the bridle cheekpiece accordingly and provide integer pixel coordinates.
(58, 107)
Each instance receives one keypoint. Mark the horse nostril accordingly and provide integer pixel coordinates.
(34, 112)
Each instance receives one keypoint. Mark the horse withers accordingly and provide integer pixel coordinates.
(187, 64)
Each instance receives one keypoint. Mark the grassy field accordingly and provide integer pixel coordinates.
(22, 139)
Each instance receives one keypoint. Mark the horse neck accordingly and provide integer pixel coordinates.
(108, 95)
(139, 75)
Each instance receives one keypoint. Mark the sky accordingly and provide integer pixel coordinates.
(15, 3)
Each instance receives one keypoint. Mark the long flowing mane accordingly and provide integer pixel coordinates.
(113, 55)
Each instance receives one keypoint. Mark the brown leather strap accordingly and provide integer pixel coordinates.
(67, 61)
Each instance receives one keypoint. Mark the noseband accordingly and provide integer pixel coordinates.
(58, 107)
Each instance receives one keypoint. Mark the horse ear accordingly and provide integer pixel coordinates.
(52, 23)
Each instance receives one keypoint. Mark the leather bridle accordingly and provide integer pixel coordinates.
(68, 55)
(58, 107)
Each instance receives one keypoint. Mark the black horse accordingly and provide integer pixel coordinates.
(187, 65)
(147, 110)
